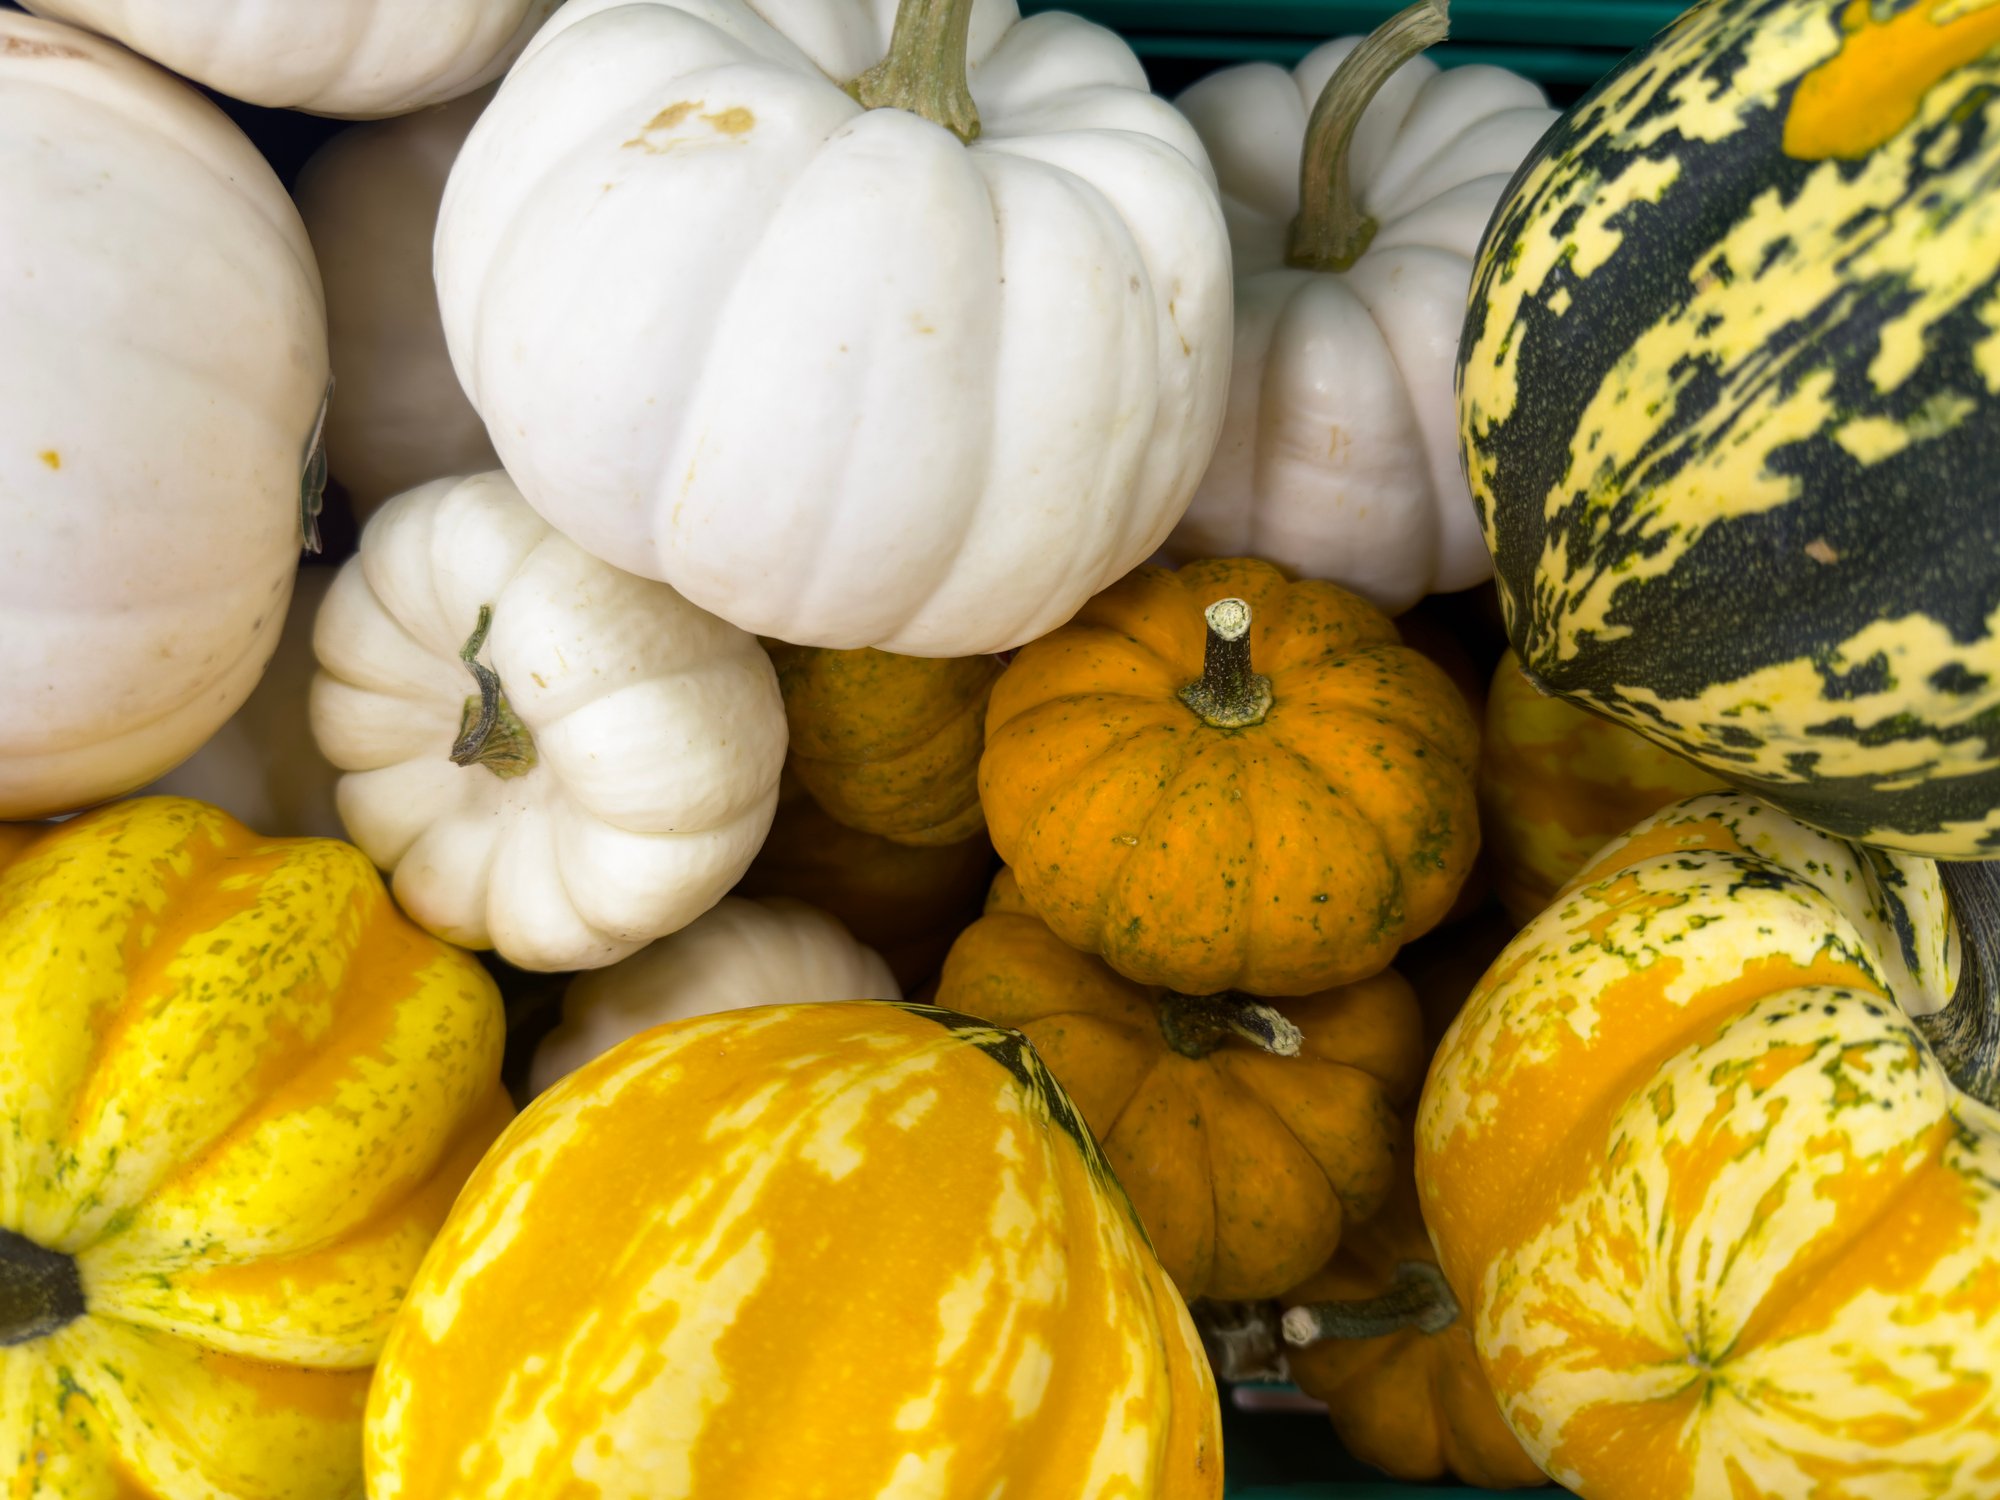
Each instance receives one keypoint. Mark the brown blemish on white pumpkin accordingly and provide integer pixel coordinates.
(1820, 551)
(20, 46)
(736, 121)
(51, 457)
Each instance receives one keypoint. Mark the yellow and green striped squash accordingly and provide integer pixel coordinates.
(843, 1251)
(1706, 1159)
(238, 1090)
(1556, 784)
(1729, 399)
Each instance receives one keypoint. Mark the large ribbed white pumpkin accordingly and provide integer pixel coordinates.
(370, 199)
(1339, 454)
(830, 373)
(737, 955)
(354, 58)
(262, 767)
(162, 368)
(557, 760)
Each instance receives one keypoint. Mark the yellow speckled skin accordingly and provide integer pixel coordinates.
(843, 1251)
(240, 1089)
(889, 744)
(1557, 783)
(1724, 1227)
(1281, 858)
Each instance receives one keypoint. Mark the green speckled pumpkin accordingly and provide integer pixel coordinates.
(1730, 405)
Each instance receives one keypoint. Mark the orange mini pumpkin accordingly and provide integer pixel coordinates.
(889, 744)
(1218, 779)
(1247, 1138)
(1377, 1335)
(904, 901)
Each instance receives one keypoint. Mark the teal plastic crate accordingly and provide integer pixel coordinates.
(1564, 43)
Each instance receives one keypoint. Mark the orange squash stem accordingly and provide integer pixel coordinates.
(40, 1290)
(489, 734)
(1418, 1298)
(1228, 694)
(1965, 1035)
(1195, 1025)
(1331, 232)
(925, 71)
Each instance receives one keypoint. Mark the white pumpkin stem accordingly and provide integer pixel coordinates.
(40, 1290)
(1228, 695)
(1418, 1298)
(1965, 1035)
(1195, 1025)
(489, 732)
(1331, 232)
(925, 71)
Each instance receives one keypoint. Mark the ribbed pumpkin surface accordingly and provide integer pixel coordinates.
(240, 1089)
(1730, 400)
(842, 1251)
(1720, 1219)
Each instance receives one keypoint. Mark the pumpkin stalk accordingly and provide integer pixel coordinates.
(312, 476)
(1241, 1340)
(1228, 695)
(1195, 1025)
(1331, 232)
(489, 733)
(1965, 1035)
(925, 71)
(40, 1291)
(1418, 1298)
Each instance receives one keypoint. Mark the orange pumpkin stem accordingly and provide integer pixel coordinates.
(1331, 232)
(1418, 1298)
(1965, 1035)
(925, 71)
(489, 734)
(40, 1291)
(1228, 694)
(1195, 1025)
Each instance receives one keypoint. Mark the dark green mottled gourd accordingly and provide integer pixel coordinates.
(1730, 406)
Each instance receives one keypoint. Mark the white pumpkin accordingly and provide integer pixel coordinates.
(829, 372)
(262, 767)
(162, 370)
(356, 59)
(369, 198)
(1339, 454)
(738, 955)
(555, 759)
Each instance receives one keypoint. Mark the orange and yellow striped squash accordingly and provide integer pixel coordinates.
(841, 1251)
(1557, 783)
(1218, 779)
(1377, 1335)
(1710, 1169)
(889, 744)
(905, 901)
(238, 1090)
(1245, 1163)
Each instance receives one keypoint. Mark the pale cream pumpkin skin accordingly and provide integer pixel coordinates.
(737, 955)
(369, 198)
(162, 370)
(238, 1089)
(1723, 1224)
(351, 58)
(860, 1250)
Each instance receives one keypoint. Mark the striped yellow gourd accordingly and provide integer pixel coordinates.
(844, 1251)
(237, 1092)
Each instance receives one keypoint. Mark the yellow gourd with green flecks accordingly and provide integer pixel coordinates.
(1729, 399)
(1724, 1217)
(238, 1090)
